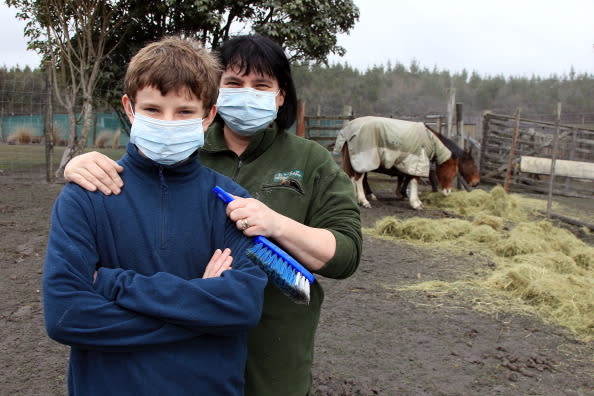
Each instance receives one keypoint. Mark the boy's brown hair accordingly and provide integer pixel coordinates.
(174, 64)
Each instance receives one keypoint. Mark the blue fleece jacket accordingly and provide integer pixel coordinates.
(149, 324)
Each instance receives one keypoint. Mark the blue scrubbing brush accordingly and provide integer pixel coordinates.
(284, 271)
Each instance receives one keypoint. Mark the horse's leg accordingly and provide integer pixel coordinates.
(400, 180)
(367, 189)
(413, 195)
(401, 186)
(359, 192)
(433, 178)
(404, 188)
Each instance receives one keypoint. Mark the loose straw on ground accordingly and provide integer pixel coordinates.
(546, 267)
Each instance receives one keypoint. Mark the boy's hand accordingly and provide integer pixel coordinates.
(93, 171)
(219, 262)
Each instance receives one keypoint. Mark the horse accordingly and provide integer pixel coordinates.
(466, 168)
(404, 149)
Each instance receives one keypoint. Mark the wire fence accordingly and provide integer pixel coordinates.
(24, 100)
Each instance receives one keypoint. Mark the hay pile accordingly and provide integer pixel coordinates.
(545, 266)
(479, 202)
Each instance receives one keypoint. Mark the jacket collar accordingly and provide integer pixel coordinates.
(181, 169)
(214, 140)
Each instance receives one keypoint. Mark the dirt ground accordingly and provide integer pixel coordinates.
(372, 339)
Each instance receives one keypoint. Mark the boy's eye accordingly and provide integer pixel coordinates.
(150, 109)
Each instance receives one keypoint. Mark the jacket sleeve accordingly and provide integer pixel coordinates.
(76, 312)
(335, 208)
(221, 305)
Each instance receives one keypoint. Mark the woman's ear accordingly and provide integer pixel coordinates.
(208, 118)
(127, 103)
(280, 98)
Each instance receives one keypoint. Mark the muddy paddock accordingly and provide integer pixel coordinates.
(373, 339)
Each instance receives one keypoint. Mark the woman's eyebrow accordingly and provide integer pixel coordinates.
(232, 78)
(264, 79)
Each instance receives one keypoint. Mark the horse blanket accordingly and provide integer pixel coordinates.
(375, 142)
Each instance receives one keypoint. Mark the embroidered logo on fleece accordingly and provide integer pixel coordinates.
(291, 179)
(282, 177)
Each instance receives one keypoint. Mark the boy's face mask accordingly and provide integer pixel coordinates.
(246, 110)
(166, 142)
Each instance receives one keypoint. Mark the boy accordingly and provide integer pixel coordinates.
(128, 283)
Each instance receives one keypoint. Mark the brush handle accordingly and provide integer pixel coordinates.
(226, 197)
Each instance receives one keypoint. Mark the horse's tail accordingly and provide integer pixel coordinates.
(346, 161)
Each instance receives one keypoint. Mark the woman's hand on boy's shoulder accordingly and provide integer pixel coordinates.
(93, 171)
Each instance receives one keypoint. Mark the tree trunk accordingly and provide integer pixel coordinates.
(87, 124)
(70, 151)
(49, 129)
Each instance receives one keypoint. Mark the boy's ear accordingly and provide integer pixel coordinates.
(208, 118)
(127, 103)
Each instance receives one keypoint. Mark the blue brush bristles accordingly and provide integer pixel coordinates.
(284, 271)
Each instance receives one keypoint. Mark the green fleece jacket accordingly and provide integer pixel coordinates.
(299, 179)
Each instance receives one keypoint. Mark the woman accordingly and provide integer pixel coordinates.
(301, 200)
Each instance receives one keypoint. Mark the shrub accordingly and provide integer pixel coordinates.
(21, 136)
(115, 143)
(56, 134)
(103, 139)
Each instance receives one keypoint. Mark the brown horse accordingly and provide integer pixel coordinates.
(404, 149)
(466, 168)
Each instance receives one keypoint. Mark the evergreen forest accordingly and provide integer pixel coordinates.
(400, 92)
(392, 90)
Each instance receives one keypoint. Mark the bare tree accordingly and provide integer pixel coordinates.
(76, 33)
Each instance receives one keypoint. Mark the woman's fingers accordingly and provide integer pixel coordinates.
(95, 171)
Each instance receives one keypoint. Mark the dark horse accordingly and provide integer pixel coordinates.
(391, 152)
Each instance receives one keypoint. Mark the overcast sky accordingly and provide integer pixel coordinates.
(504, 37)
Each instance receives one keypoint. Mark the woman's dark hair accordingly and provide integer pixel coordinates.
(262, 55)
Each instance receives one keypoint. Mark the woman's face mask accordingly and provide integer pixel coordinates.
(246, 110)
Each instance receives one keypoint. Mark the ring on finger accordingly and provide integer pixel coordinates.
(243, 223)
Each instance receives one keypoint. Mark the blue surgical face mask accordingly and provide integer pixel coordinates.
(246, 110)
(166, 142)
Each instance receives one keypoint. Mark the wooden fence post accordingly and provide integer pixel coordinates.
(347, 110)
(553, 160)
(460, 138)
(300, 130)
(439, 124)
(450, 110)
(512, 152)
(460, 124)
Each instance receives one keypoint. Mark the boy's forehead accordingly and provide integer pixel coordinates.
(151, 92)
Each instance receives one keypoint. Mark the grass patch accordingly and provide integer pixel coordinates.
(30, 156)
